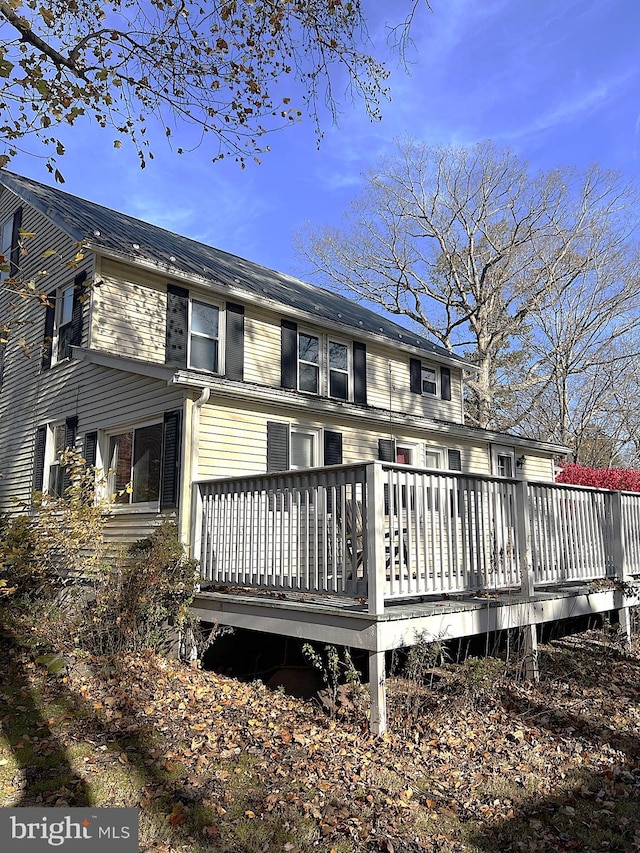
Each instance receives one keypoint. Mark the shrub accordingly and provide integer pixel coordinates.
(144, 600)
(622, 479)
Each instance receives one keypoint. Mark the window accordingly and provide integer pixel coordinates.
(308, 363)
(339, 370)
(9, 235)
(318, 365)
(5, 247)
(433, 457)
(429, 380)
(49, 475)
(135, 464)
(504, 462)
(55, 485)
(303, 452)
(204, 336)
(64, 326)
(403, 455)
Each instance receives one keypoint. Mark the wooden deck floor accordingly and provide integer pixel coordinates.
(347, 622)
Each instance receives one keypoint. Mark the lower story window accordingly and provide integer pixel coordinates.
(303, 449)
(56, 483)
(135, 463)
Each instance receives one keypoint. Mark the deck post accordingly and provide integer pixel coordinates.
(378, 693)
(374, 538)
(619, 566)
(527, 581)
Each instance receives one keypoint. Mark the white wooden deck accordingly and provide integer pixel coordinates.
(372, 555)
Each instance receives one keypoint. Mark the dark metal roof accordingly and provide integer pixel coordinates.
(112, 231)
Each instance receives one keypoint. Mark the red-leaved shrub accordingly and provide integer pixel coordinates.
(621, 479)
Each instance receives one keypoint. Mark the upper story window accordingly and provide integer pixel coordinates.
(64, 323)
(308, 363)
(317, 363)
(204, 336)
(339, 370)
(9, 236)
(429, 380)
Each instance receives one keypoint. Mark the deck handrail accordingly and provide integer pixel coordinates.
(423, 532)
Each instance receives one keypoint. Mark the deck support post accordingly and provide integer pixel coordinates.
(378, 693)
(620, 567)
(527, 581)
(624, 621)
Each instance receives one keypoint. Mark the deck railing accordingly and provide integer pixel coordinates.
(382, 532)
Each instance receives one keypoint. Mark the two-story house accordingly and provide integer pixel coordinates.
(167, 361)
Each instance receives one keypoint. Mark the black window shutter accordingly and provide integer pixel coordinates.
(445, 383)
(289, 354)
(171, 457)
(38, 458)
(177, 326)
(49, 320)
(234, 343)
(332, 448)
(91, 449)
(70, 430)
(415, 376)
(359, 373)
(387, 449)
(78, 309)
(455, 460)
(14, 258)
(277, 446)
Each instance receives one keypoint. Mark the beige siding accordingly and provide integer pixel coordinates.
(129, 317)
(537, 467)
(261, 347)
(23, 382)
(388, 386)
(234, 442)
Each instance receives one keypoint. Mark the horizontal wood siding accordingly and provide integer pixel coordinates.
(23, 381)
(261, 347)
(233, 441)
(129, 317)
(100, 398)
(388, 376)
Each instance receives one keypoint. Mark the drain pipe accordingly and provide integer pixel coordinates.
(196, 407)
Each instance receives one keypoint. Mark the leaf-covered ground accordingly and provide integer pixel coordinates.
(477, 763)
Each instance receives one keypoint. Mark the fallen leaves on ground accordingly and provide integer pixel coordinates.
(217, 764)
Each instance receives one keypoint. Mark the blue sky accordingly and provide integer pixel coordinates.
(556, 80)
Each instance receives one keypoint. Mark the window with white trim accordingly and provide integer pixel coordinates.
(204, 336)
(63, 331)
(429, 380)
(303, 448)
(55, 448)
(433, 457)
(6, 247)
(308, 363)
(339, 369)
(504, 461)
(134, 463)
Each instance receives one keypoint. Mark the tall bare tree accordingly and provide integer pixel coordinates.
(233, 68)
(473, 248)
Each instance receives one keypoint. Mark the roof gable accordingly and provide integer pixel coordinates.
(137, 241)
